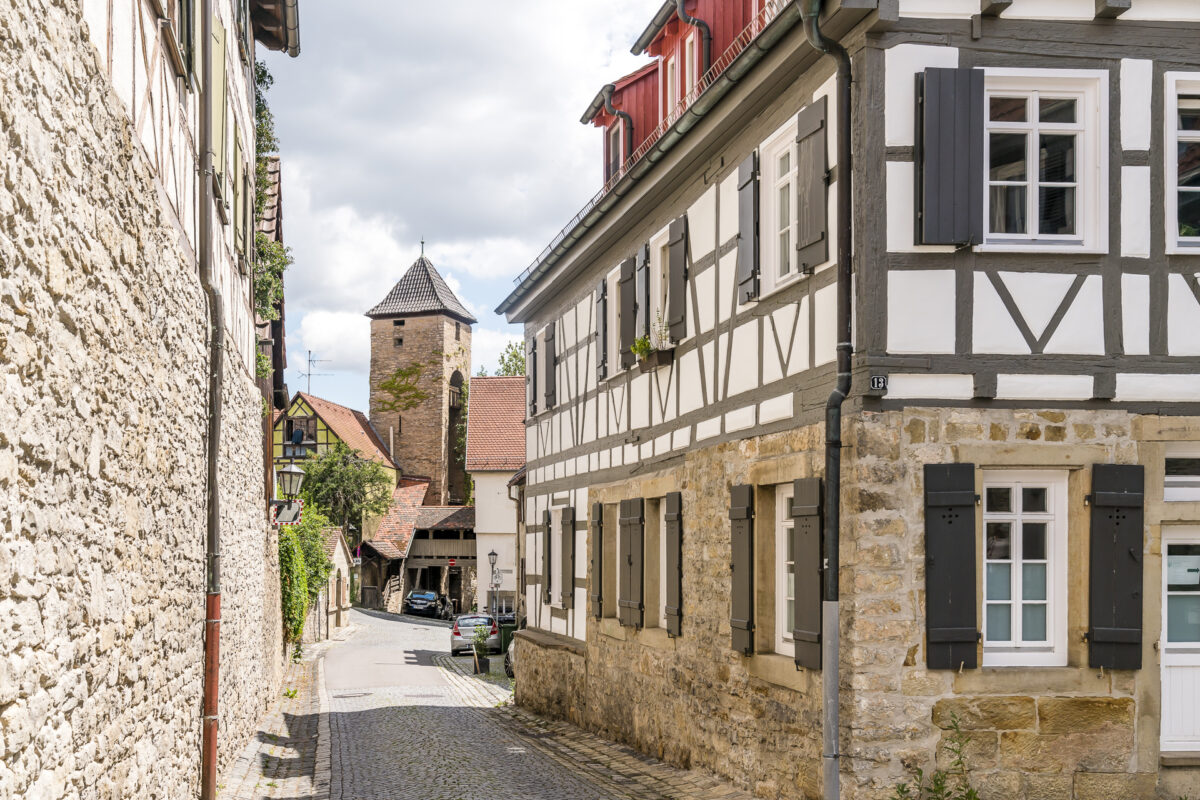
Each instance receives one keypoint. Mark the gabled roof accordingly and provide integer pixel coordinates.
(331, 538)
(395, 533)
(597, 104)
(666, 11)
(421, 290)
(445, 518)
(352, 427)
(496, 424)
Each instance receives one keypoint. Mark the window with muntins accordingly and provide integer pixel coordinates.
(778, 208)
(1181, 479)
(1045, 162)
(614, 323)
(1024, 568)
(1183, 163)
(785, 573)
(615, 155)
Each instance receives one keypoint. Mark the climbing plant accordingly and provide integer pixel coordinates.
(317, 565)
(401, 387)
(271, 258)
(293, 584)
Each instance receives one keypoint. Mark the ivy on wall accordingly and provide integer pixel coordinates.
(271, 258)
(293, 584)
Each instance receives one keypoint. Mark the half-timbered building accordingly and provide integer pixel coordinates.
(1020, 447)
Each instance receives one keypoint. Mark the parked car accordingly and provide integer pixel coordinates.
(510, 658)
(423, 603)
(462, 635)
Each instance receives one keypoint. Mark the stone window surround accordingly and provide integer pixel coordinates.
(1025, 655)
(784, 524)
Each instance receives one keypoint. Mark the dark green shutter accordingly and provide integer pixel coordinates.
(673, 591)
(596, 572)
(567, 576)
(632, 527)
(628, 306)
(531, 379)
(741, 566)
(643, 311)
(747, 248)
(806, 560)
(812, 187)
(950, 567)
(677, 275)
(549, 358)
(949, 156)
(602, 330)
(1115, 595)
(546, 538)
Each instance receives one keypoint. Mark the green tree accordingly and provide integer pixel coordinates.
(317, 565)
(347, 487)
(512, 360)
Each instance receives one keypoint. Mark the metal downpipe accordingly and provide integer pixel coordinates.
(705, 33)
(830, 609)
(216, 368)
(607, 93)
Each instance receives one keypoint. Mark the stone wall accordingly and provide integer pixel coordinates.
(422, 437)
(102, 361)
(1067, 733)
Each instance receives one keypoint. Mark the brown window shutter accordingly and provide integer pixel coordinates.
(551, 366)
(747, 247)
(949, 156)
(546, 537)
(673, 591)
(531, 378)
(741, 565)
(567, 592)
(677, 275)
(951, 567)
(602, 330)
(812, 187)
(1117, 545)
(596, 572)
(633, 531)
(628, 306)
(806, 512)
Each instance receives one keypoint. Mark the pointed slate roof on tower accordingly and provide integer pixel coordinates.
(421, 290)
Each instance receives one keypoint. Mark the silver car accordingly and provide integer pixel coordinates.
(462, 635)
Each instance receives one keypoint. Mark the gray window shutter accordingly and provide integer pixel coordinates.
(546, 538)
(532, 378)
(643, 311)
(806, 558)
(949, 156)
(673, 591)
(567, 590)
(950, 567)
(677, 275)
(812, 187)
(632, 528)
(628, 306)
(747, 252)
(741, 566)
(602, 330)
(1115, 595)
(549, 358)
(596, 572)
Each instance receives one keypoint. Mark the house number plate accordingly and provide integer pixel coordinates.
(879, 383)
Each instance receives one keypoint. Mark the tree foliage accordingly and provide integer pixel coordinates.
(293, 584)
(346, 486)
(317, 565)
(512, 360)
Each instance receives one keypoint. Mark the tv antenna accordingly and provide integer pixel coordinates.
(312, 363)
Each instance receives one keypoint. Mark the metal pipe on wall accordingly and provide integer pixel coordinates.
(216, 367)
(830, 607)
(607, 93)
(705, 33)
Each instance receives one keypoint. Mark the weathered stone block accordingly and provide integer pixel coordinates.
(1114, 786)
(1083, 714)
(986, 713)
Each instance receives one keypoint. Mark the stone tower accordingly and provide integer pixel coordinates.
(424, 330)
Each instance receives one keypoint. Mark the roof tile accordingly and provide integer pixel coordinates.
(422, 289)
(496, 424)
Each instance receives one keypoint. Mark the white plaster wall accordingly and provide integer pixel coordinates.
(1081, 331)
(1135, 211)
(939, 9)
(702, 224)
(776, 408)
(729, 207)
(1178, 10)
(726, 285)
(691, 396)
(1162, 388)
(921, 311)
(1183, 318)
(927, 386)
(825, 325)
(993, 328)
(901, 64)
(1044, 387)
(1051, 9)
(901, 210)
(1137, 76)
(743, 362)
(1135, 313)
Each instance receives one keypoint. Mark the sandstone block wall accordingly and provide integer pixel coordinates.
(422, 439)
(102, 363)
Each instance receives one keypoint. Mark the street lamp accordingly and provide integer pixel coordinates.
(289, 480)
(492, 557)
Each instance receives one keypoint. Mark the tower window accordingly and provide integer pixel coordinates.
(457, 330)
(398, 341)
(397, 323)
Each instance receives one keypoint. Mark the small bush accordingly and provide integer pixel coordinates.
(293, 585)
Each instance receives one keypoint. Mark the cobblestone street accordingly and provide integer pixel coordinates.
(387, 714)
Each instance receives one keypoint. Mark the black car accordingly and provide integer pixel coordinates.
(423, 603)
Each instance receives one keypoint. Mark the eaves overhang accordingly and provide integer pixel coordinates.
(277, 24)
(660, 20)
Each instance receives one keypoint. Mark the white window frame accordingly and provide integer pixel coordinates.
(1090, 89)
(616, 130)
(613, 355)
(1053, 653)
(770, 182)
(670, 87)
(784, 525)
(1176, 493)
(691, 64)
(660, 282)
(1178, 83)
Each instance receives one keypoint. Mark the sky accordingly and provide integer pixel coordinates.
(456, 122)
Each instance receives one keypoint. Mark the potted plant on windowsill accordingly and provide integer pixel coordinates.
(657, 349)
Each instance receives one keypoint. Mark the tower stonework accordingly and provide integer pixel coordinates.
(421, 326)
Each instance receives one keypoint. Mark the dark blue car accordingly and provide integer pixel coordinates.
(423, 603)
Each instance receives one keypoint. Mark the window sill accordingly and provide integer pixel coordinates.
(1177, 249)
(1179, 758)
(781, 671)
(1040, 247)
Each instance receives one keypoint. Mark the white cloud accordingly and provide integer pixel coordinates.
(341, 340)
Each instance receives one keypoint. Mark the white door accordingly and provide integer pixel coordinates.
(1181, 641)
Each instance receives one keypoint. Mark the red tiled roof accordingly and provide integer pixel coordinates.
(445, 518)
(352, 427)
(496, 424)
(329, 541)
(396, 528)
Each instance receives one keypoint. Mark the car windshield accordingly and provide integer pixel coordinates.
(424, 595)
(474, 622)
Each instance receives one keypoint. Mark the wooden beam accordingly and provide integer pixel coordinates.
(1111, 9)
(992, 8)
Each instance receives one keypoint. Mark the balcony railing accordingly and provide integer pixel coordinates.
(769, 11)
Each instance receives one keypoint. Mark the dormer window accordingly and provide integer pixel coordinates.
(616, 156)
